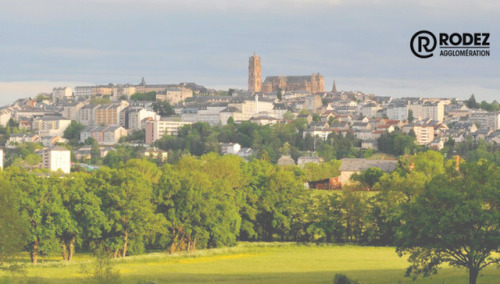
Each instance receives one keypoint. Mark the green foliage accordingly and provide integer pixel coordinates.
(397, 143)
(72, 132)
(163, 108)
(454, 220)
(149, 96)
(137, 136)
(321, 171)
(102, 269)
(104, 100)
(41, 97)
(13, 228)
(369, 177)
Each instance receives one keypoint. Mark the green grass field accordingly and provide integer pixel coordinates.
(255, 263)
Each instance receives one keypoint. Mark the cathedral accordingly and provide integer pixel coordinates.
(312, 83)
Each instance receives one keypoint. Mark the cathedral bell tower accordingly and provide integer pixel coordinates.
(254, 74)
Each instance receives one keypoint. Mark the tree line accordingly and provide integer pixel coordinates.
(428, 208)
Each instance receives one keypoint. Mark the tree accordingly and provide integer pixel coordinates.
(368, 177)
(41, 207)
(85, 222)
(72, 132)
(163, 108)
(126, 203)
(410, 116)
(471, 102)
(279, 94)
(13, 228)
(454, 220)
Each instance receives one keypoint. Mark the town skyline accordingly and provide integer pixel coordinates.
(363, 45)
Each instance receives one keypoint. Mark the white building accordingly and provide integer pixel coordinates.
(230, 148)
(57, 158)
(5, 116)
(433, 110)
(155, 129)
(51, 125)
(137, 115)
(398, 111)
(60, 93)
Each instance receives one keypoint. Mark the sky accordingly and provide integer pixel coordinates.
(362, 45)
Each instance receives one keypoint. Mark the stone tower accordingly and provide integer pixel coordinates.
(254, 74)
(334, 88)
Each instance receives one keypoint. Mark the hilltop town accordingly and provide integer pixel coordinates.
(80, 127)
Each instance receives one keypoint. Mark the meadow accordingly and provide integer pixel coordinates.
(249, 263)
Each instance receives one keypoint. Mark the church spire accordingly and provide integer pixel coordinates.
(334, 89)
(143, 82)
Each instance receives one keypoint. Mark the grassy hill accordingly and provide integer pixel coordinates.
(253, 263)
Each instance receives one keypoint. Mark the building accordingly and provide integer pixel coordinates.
(60, 93)
(123, 92)
(303, 160)
(104, 135)
(314, 83)
(352, 166)
(156, 129)
(50, 125)
(5, 116)
(398, 110)
(433, 110)
(230, 148)
(243, 109)
(254, 74)
(57, 158)
(1, 158)
(109, 115)
(174, 95)
(424, 132)
(15, 139)
(89, 91)
(71, 110)
(134, 117)
(87, 114)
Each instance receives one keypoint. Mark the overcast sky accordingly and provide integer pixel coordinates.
(363, 45)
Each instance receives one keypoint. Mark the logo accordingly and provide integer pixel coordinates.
(424, 43)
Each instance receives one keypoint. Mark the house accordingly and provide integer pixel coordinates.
(481, 133)
(57, 158)
(436, 144)
(51, 140)
(369, 144)
(229, 148)
(352, 166)
(494, 137)
(303, 160)
(245, 153)
(155, 153)
(15, 139)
